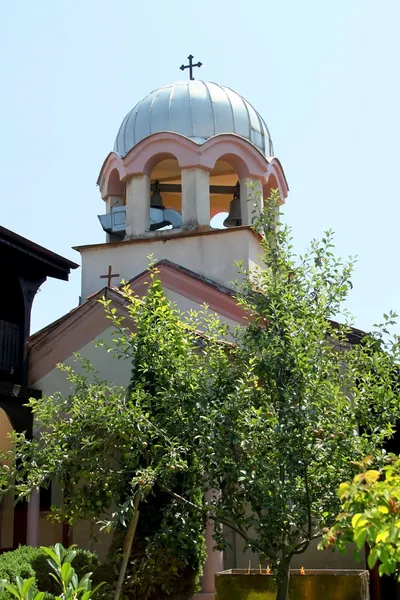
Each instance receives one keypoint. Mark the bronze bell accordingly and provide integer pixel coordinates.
(156, 198)
(234, 218)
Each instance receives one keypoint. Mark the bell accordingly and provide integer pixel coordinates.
(156, 199)
(234, 219)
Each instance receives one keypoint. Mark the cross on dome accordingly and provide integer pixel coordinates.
(190, 66)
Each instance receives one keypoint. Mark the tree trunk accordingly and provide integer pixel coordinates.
(130, 534)
(283, 579)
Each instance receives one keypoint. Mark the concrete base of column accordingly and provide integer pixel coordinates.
(204, 596)
(32, 536)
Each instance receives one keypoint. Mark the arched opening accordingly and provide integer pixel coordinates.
(7, 503)
(272, 184)
(224, 196)
(114, 221)
(12, 318)
(166, 195)
(115, 186)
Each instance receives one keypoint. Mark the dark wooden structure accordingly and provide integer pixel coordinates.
(24, 267)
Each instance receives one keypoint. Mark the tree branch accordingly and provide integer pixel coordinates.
(212, 517)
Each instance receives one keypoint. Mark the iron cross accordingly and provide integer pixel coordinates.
(190, 66)
(109, 276)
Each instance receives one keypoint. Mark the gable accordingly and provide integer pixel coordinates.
(58, 341)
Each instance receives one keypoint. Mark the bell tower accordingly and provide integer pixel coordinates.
(189, 160)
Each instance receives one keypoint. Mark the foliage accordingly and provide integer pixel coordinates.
(64, 574)
(103, 443)
(158, 569)
(27, 562)
(272, 422)
(22, 590)
(370, 514)
(304, 403)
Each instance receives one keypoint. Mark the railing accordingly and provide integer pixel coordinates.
(10, 344)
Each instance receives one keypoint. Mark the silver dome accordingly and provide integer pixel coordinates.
(196, 109)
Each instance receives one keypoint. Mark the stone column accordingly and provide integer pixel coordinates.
(113, 201)
(137, 205)
(214, 564)
(195, 198)
(214, 561)
(250, 194)
(32, 534)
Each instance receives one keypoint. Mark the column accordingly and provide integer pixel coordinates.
(214, 564)
(113, 201)
(137, 206)
(251, 194)
(214, 561)
(195, 198)
(32, 534)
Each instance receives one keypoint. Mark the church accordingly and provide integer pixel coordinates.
(175, 187)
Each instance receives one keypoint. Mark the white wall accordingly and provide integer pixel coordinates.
(185, 305)
(115, 371)
(210, 255)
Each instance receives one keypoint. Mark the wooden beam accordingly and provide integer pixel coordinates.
(176, 188)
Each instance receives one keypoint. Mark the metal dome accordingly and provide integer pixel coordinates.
(196, 109)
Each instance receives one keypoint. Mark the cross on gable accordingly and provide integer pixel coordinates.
(190, 66)
(109, 276)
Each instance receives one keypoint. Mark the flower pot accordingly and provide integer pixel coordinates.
(239, 584)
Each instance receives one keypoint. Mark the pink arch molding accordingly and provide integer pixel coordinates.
(245, 158)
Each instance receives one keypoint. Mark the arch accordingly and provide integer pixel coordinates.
(224, 175)
(7, 504)
(115, 187)
(247, 160)
(6, 427)
(140, 159)
(111, 163)
(166, 197)
(237, 163)
(275, 179)
(242, 155)
(156, 159)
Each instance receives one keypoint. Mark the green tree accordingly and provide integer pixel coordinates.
(307, 400)
(134, 449)
(271, 422)
(370, 514)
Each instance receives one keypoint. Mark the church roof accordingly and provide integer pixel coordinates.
(59, 340)
(196, 109)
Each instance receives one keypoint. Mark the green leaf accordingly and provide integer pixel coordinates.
(50, 553)
(355, 518)
(360, 537)
(373, 557)
(382, 536)
(28, 583)
(67, 572)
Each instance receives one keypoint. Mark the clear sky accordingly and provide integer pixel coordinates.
(324, 75)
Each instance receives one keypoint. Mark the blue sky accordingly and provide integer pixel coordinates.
(324, 75)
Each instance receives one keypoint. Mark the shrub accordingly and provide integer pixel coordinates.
(167, 554)
(28, 562)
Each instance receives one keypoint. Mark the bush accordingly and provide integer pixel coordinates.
(27, 562)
